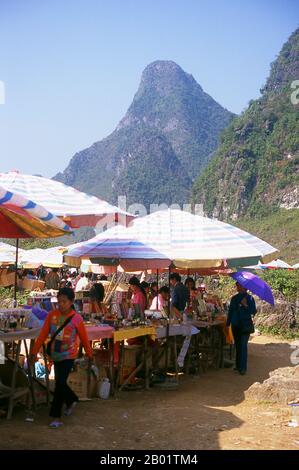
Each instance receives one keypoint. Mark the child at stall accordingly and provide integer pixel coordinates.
(40, 368)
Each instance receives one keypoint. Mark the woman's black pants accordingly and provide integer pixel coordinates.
(63, 393)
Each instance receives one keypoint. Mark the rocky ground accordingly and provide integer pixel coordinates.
(206, 412)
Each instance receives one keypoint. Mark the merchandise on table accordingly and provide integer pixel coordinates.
(46, 300)
(12, 319)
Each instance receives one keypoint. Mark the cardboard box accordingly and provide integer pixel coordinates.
(78, 381)
(102, 358)
(124, 374)
(130, 355)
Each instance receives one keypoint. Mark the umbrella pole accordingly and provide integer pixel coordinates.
(168, 320)
(16, 273)
(157, 305)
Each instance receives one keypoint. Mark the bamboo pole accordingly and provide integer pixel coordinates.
(16, 273)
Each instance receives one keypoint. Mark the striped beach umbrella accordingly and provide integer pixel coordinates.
(48, 257)
(275, 264)
(23, 218)
(8, 254)
(76, 208)
(116, 246)
(188, 241)
(193, 241)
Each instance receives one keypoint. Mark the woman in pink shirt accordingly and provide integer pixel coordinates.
(139, 295)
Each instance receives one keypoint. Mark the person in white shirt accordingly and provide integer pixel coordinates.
(163, 297)
(82, 283)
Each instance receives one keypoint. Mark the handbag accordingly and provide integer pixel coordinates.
(248, 330)
(246, 324)
(49, 343)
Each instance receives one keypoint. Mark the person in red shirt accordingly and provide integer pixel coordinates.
(139, 294)
(64, 350)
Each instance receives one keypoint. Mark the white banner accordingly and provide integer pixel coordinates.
(183, 351)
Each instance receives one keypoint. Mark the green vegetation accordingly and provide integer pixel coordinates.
(279, 228)
(256, 167)
(279, 332)
(284, 281)
(7, 294)
(30, 243)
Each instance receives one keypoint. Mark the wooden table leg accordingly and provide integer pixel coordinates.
(120, 366)
(47, 374)
(111, 365)
(175, 357)
(89, 378)
(13, 382)
(133, 373)
(146, 366)
(31, 385)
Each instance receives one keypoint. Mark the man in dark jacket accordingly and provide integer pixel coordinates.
(242, 308)
(180, 295)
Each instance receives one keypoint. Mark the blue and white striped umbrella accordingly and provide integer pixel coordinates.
(189, 241)
(117, 244)
(78, 209)
(28, 216)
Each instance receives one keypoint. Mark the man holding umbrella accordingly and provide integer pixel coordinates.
(242, 308)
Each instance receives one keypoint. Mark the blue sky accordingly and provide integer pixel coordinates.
(71, 67)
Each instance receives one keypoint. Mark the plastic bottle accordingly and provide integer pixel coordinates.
(104, 388)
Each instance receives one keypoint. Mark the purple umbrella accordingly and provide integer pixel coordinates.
(255, 284)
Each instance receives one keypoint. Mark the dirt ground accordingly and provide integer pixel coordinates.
(206, 412)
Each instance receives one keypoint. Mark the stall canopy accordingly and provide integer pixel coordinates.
(172, 236)
(112, 248)
(48, 257)
(23, 218)
(275, 264)
(8, 254)
(76, 208)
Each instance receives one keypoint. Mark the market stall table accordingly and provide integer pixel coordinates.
(143, 332)
(98, 333)
(171, 333)
(176, 330)
(209, 344)
(17, 336)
